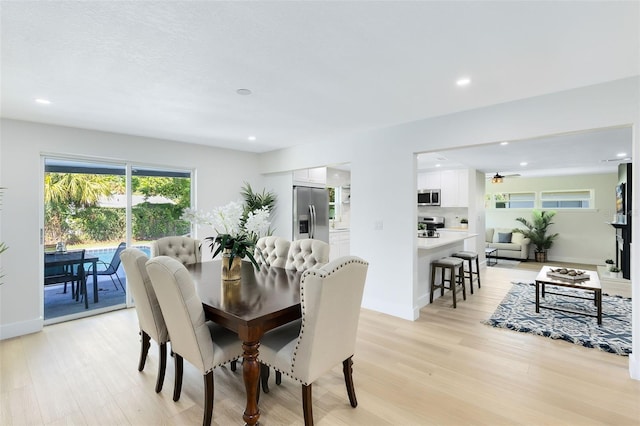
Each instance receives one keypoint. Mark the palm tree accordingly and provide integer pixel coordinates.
(65, 193)
(537, 232)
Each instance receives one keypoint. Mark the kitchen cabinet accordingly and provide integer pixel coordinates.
(429, 180)
(311, 177)
(454, 188)
(453, 184)
(339, 242)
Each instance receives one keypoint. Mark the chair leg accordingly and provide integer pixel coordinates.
(177, 387)
(162, 366)
(208, 399)
(278, 378)
(144, 349)
(234, 365)
(478, 270)
(470, 275)
(461, 278)
(347, 370)
(307, 405)
(452, 283)
(121, 285)
(264, 378)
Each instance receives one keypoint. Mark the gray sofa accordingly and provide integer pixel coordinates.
(511, 245)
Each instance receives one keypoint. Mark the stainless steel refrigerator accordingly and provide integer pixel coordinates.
(310, 213)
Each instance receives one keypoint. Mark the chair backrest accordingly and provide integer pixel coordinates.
(272, 251)
(150, 316)
(330, 297)
(115, 260)
(184, 249)
(182, 310)
(306, 254)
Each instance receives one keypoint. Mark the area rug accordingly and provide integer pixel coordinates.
(518, 312)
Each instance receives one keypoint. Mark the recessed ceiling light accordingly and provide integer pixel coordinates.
(438, 165)
(463, 81)
(42, 101)
(252, 138)
(504, 143)
(243, 92)
(524, 163)
(622, 154)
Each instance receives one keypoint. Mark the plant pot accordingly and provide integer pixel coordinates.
(541, 256)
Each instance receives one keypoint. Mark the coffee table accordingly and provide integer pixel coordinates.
(590, 285)
(491, 254)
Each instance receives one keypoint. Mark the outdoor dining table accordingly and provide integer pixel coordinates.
(261, 301)
(68, 259)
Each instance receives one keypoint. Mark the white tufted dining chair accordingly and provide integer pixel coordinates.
(185, 249)
(303, 254)
(150, 319)
(204, 344)
(330, 298)
(272, 251)
(307, 254)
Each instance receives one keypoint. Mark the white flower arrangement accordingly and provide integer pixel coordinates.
(237, 235)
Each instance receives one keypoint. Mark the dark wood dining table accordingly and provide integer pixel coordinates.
(67, 259)
(261, 301)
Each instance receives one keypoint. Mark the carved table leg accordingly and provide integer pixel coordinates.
(251, 376)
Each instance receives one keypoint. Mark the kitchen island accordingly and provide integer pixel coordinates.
(430, 249)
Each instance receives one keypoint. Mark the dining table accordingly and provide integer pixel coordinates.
(69, 259)
(260, 301)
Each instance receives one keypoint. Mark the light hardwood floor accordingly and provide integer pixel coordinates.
(445, 368)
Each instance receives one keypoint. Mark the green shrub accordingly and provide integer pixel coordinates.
(153, 221)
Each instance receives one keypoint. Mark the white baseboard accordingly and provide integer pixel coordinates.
(634, 366)
(7, 331)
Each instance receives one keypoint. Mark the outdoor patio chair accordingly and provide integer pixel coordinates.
(112, 268)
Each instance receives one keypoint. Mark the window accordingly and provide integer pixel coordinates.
(566, 199)
(514, 200)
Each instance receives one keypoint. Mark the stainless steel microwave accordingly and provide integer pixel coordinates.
(428, 197)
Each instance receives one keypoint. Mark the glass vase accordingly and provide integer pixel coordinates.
(232, 273)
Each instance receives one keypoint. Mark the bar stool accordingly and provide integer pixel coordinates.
(455, 266)
(470, 256)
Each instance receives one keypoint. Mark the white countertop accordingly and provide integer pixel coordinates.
(446, 237)
(339, 229)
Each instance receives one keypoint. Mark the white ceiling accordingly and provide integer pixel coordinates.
(170, 69)
(588, 152)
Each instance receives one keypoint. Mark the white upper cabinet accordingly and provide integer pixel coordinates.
(429, 180)
(311, 177)
(453, 184)
(454, 188)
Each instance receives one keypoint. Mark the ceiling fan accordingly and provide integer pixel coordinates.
(498, 178)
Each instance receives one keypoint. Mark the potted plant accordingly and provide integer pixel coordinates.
(537, 232)
(614, 271)
(609, 262)
(464, 222)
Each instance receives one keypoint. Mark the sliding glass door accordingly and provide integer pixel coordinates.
(96, 209)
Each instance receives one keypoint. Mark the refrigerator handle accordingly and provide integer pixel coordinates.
(311, 221)
(313, 207)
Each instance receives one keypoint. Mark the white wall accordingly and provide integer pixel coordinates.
(219, 177)
(383, 183)
(585, 236)
(383, 175)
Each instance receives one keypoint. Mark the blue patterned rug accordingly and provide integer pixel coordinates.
(518, 312)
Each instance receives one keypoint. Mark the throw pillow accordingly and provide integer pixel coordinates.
(517, 238)
(504, 237)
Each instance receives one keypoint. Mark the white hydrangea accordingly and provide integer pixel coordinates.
(227, 220)
(258, 222)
